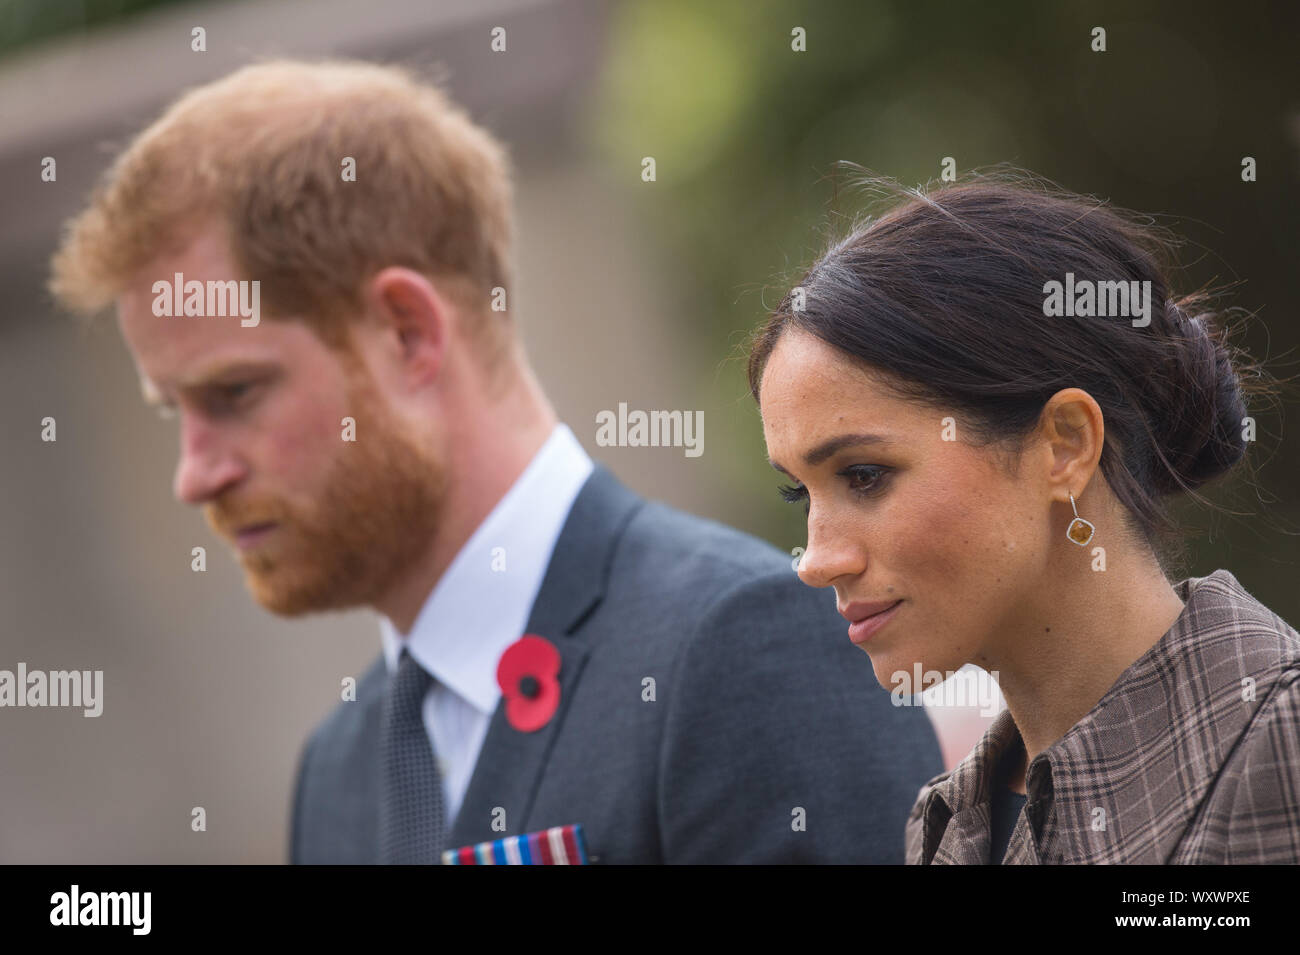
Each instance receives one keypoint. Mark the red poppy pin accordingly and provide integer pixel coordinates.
(528, 674)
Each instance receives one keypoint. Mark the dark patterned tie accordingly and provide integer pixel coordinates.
(410, 802)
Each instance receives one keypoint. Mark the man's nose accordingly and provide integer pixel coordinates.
(207, 466)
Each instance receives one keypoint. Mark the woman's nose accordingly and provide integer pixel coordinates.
(831, 553)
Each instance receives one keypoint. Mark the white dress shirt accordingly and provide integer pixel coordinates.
(481, 605)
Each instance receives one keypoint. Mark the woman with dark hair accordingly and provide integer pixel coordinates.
(983, 399)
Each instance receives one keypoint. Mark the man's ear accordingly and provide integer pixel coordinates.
(1074, 430)
(411, 317)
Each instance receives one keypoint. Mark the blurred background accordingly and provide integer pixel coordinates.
(628, 291)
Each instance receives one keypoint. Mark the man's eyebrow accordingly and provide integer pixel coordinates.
(242, 366)
(238, 366)
(824, 450)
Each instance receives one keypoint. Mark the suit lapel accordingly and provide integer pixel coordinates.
(510, 763)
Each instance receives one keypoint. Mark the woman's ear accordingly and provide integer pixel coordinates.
(1074, 429)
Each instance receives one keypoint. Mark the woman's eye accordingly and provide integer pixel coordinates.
(864, 478)
(793, 494)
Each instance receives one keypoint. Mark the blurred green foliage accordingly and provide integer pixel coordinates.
(26, 22)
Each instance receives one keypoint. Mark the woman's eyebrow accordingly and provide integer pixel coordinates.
(824, 450)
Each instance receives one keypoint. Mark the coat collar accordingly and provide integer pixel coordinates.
(1090, 796)
(510, 763)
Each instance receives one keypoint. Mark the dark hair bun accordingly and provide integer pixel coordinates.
(948, 295)
(1205, 435)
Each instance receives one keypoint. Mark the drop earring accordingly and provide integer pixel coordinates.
(1079, 531)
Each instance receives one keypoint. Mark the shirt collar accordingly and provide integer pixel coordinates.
(1152, 707)
(482, 602)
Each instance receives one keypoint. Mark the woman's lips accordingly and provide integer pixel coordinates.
(864, 628)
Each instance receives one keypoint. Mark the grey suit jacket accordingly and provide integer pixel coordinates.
(767, 740)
